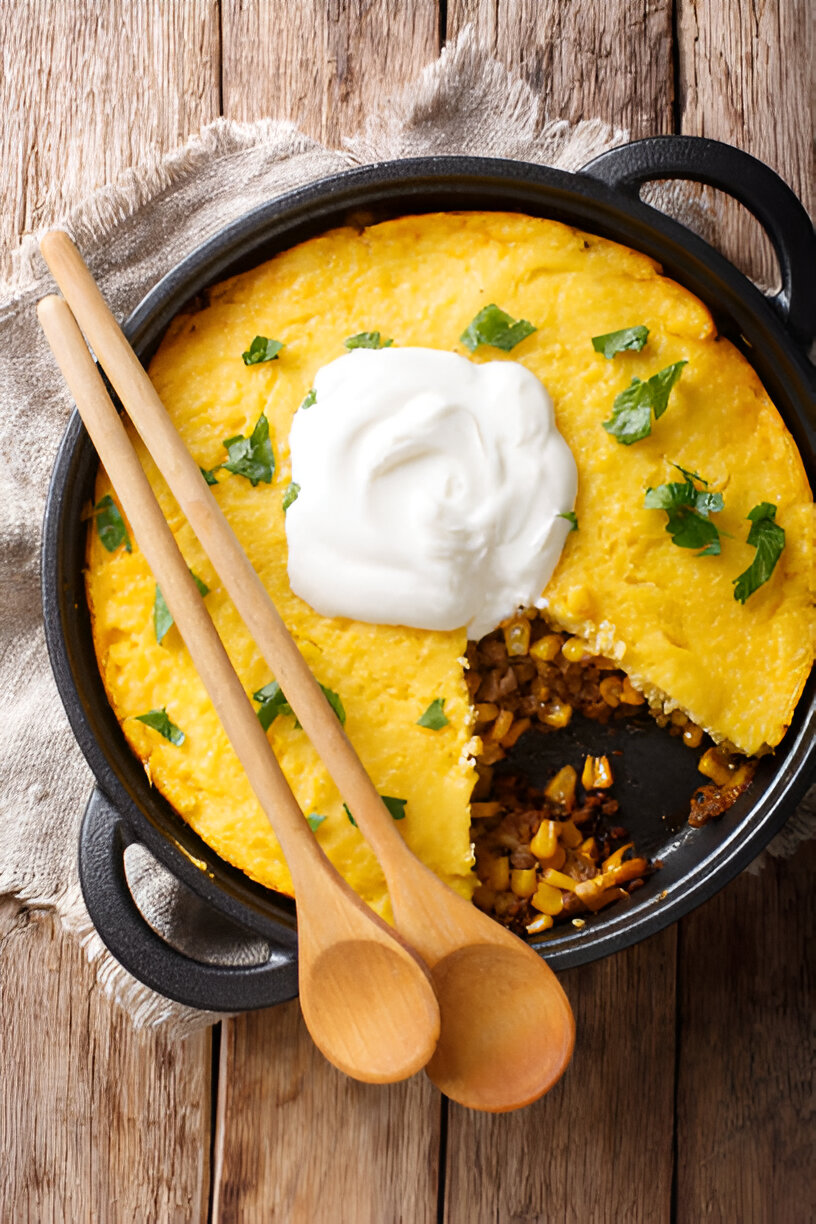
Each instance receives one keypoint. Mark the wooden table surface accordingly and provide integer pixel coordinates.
(690, 1095)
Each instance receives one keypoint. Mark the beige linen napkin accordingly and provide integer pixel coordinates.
(131, 234)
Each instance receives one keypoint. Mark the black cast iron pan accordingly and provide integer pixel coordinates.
(661, 774)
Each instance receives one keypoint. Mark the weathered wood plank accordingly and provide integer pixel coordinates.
(96, 1122)
(302, 1144)
(607, 61)
(745, 1103)
(599, 1146)
(89, 89)
(322, 63)
(745, 71)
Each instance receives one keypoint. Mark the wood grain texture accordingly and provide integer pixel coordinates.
(322, 63)
(97, 1123)
(746, 1118)
(302, 1144)
(599, 1147)
(90, 89)
(746, 73)
(611, 61)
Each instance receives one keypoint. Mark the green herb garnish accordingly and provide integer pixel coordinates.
(273, 702)
(688, 509)
(159, 721)
(262, 349)
(110, 526)
(309, 398)
(251, 457)
(315, 821)
(434, 717)
(632, 410)
(768, 538)
(292, 490)
(396, 808)
(162, 617)
(497, 328)
(571, 517)
(209, 474)
(371, 340)
(629, 338)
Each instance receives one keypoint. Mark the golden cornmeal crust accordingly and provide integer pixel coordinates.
(665, 615)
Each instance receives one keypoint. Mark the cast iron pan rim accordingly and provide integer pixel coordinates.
(580, 194)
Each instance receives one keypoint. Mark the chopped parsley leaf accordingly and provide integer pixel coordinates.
(768, 538)
(396, 808)
(571, 517)
(209, 474)
(162, 617)
(159, 721)
(496, 328)
(632, 409)
(627, 339)
(262, 349)
(688, 509)
(251, 457)
(273, 702)
(434, 717)
(110, 526)
(309, 398)
(292, 490)
(371, 340)
(315, 821)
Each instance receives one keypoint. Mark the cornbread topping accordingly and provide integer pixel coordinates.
(430, 490)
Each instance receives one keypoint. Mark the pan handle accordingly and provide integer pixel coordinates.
(103, 839)
(779, 212)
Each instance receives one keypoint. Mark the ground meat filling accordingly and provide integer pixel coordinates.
(545, 857)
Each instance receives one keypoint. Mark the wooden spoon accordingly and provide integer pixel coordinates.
(507, 1027)
(366, 997)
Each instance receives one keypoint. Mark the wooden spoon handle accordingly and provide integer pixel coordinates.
(156, 541)
(245, 588)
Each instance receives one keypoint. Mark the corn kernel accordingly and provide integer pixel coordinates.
(484, 811)
(575, 650)
(491, 753)
(557, 859)
(715, 766)
(629, 693)
(517, 637)
(558, 715)
(484, 898)
(561, 788)
(606, 897)
(523, 881)
(515, 733)
(678, 718)
(544, 844)
(597, 773)
(611, 688)
(616, 859)
(548, 900)
(498, 875)
(569, 834)
(486, 711)
(542, 923)
(630, 870)
(589, 849)
(692, 736)
(559, 880)
(546, 648)
(587, 890)
(502, 725)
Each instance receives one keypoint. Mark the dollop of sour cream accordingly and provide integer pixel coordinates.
(430, 489)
